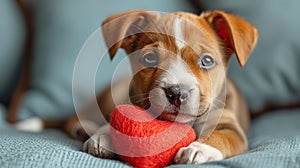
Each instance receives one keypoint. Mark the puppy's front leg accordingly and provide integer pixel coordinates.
(100, 144)
(228, 139)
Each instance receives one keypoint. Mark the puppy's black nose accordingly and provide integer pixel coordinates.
(177, 94)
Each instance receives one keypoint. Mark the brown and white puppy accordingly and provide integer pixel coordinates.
(179, 62)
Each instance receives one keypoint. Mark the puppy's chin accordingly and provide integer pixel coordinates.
(177, 117)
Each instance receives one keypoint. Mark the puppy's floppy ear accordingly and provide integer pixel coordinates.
(119, 29)
(239, 36)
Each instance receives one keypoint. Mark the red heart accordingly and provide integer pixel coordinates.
(144, 141)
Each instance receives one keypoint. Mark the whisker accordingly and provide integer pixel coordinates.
(142, 99)
(157, 81)
(218, 103)
(139, 95)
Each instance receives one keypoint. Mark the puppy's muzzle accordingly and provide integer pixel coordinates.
(177, 95)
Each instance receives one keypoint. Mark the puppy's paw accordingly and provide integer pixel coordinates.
(197, 153)
(99, 146)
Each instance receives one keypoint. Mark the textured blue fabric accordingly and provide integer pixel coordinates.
(47, 149)
(272, 73)
(274, 143)
(62, 27)
(11, 46)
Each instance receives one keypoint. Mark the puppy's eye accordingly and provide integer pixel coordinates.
(206, 62)
(150, 60)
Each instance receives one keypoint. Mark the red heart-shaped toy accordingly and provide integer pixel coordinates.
(143, 141)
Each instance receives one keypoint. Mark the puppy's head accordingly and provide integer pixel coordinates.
(179, 60)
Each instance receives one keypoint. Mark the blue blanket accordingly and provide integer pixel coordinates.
(274, 142)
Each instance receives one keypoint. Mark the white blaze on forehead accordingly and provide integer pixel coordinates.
(179, 40)
(179, 73)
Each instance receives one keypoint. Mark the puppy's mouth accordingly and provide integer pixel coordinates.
(177, 117)
(163, 104)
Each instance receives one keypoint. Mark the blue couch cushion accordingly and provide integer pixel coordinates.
(12, 33)
(2, 116)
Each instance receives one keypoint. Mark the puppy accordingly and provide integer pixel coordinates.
(179, 62)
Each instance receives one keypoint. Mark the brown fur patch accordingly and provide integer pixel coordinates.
(227, 141)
